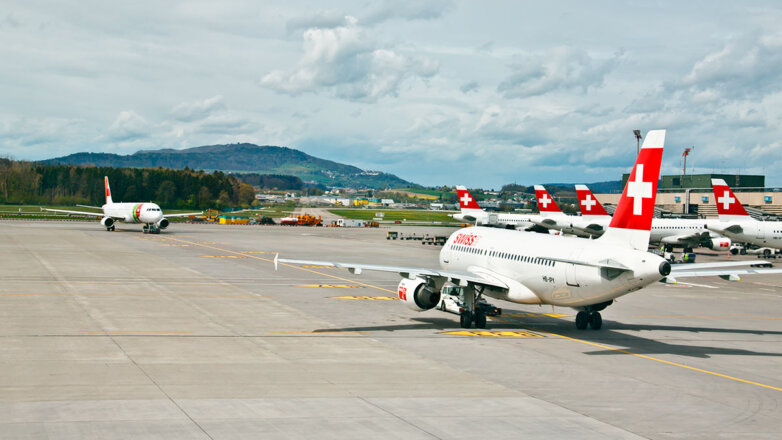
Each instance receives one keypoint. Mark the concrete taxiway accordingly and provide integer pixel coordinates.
(192, 334)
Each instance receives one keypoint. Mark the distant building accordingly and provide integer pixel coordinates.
(701, 181)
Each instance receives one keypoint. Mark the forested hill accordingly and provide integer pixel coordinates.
(29, 183)
(242, 158)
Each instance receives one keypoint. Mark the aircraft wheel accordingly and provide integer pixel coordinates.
(480, 320)
(465, 319)
(595, 320)
(766, 253)
(582, 319)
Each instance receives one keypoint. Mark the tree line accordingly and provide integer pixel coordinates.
(32, 183)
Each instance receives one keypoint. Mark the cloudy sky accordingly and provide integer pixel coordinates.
(439, 92)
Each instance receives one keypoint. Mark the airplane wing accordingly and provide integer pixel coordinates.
(94, 214)
(728, 270)
(691, 238)
(88, 206)
(186, 214)
(406, 272)
(726, 227)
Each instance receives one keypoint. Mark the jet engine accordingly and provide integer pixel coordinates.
(163, 223)
(719, 244)
(418, 294)
(107, 222)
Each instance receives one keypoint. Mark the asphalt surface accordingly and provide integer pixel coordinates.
(192, 334)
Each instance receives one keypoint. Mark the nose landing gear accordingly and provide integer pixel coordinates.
(151, 229)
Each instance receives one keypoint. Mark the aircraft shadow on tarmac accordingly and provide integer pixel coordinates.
(611, 335)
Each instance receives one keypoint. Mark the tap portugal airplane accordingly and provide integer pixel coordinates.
(524, 268)
(148, 214)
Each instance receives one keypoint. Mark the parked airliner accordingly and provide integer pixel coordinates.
(524, 268)
(148, 214)
(736, 223)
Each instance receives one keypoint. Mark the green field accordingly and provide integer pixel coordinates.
(393, 215)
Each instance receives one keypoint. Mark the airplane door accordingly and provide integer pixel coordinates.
(570, 271)
(759, 232)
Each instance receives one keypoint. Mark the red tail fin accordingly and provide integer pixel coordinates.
(466, 200)
(108, 190)
(632, 220)
(727, 203)
(588, 203)
(546, 203)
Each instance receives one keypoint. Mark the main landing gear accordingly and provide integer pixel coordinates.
(590, 316)
(592, 319)
(111, 228)
(471, 312)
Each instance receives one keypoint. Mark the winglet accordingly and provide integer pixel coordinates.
(632, 220)
(728, 205)
(276, 259)
(546, 203)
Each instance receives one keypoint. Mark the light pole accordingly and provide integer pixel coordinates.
(638, 137)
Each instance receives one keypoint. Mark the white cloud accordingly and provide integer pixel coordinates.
(195, 110)
(560, 68)
(348, 63)
(128, 126)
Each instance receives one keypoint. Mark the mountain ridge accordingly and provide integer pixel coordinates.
(242, 158)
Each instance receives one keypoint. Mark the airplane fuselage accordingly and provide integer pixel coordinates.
(766, 234)
(531, 265)
(147, 213)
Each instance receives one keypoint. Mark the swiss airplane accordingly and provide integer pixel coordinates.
(586, 275)
(149, 214)
(737, 224)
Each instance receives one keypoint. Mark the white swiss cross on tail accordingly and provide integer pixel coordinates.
(639, 190)
(588, 202)
(633, 217)
(466, 199)
(545, 200)
(726, 200)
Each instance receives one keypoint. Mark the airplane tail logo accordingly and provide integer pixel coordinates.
(466, 200)
(108, 189)
(588, 203)
(546, 203)
(727, 203)
(632, 220)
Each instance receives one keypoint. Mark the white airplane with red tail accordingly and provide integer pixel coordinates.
(586, 275)
(736, 223)
(148, 214)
